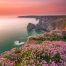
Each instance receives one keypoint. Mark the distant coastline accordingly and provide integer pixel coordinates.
(37, 16)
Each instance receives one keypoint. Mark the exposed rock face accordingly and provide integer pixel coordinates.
(43, 25)
(30, 27)
(48, 23)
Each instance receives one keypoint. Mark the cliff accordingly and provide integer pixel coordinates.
(48, 23)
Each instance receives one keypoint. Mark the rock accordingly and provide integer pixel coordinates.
(30, 27)
(48, 23)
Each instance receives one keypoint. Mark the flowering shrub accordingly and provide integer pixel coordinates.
(49, 53)
(50, 36)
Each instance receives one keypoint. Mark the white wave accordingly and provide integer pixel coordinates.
(19, 43)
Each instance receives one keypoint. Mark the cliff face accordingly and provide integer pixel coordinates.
(30, 27)
(48, 23)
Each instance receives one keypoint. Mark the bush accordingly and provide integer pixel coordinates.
(64, 38)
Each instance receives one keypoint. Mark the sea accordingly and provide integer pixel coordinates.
(13, 29)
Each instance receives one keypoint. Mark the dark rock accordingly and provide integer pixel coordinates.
(30, 27)
(41, 28)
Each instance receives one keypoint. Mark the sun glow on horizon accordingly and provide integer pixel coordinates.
(32, 7)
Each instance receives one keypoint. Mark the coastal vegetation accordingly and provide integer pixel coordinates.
(50, 36)
(49, 49)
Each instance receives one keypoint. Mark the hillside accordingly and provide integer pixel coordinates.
(48, 49)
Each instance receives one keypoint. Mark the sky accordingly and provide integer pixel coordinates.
(32, 7)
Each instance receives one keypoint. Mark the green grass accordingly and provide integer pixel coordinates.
(39, 40)
(17, 64)
(52, 38)
(64, 39)
(0, 64)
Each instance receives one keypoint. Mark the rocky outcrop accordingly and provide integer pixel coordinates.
(30, 27)
(48, 23)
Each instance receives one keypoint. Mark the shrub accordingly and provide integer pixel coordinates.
(64, 38)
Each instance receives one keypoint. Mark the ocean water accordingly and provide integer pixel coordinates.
(13, 29)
